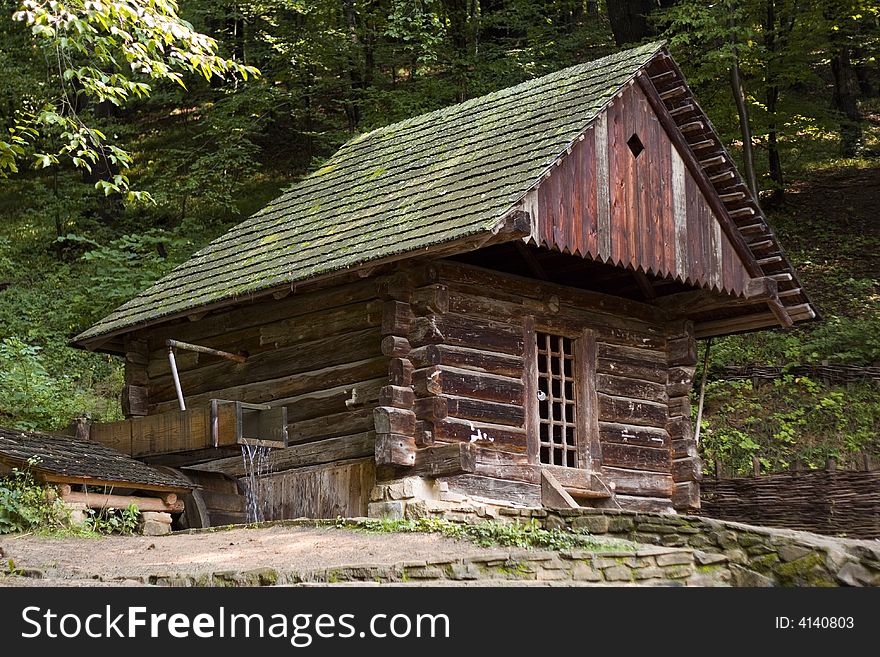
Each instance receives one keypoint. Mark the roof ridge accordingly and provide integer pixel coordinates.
(413, 184)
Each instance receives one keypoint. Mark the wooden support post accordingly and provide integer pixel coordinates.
(135, 401)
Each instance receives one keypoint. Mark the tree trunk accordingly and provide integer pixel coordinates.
(745, 128)
(353, 104)
(844, 99)
(772, 96)
(777, 196)
(866, 86)
(629, 20)
(457, 12)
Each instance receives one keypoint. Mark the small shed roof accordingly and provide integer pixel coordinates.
(429, 180)
(67, 459)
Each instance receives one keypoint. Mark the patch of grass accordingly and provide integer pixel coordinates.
(495, 534)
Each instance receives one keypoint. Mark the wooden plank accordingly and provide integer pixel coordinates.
(631, 354)
(397, 396)
(483, 434)
(639, 482)
(679, 215)
(687, 469)
(531, 420)
(684, 448)
(696, 233)
(502, 283)
(480, 410)
(487, 488)
(444, 460)
(463, 331)
(296, 456)
(646, 372)
(262, 312)
(634, 457)
(587, 180)
(135, 400)
(589, 409)
(680, 380)
(109, 501)
(610, 326)
(469, 359)
(442, 380)
(395, 449)
(330, 401)
(619, 185)
(679, 407)
(327, 426)
(633, 388)
(432, 299)
(675, 135)
(686, 496)
(388, 419)
(682, 351)
(396, 318)
(178, 431)
(630, 411)
(54, 477)
(302, 358)
(333, 321)
(603, 188)
(553, 495)
(115, 435)
(291, 388)
(323, 491)
(615, 432)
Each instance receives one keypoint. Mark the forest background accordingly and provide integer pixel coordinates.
(135, 131)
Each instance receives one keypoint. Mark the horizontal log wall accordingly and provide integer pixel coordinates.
(469, 379)
(320, 355)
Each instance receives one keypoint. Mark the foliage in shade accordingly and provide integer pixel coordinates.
(221, 149)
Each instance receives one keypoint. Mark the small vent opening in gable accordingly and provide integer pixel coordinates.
(635, 145)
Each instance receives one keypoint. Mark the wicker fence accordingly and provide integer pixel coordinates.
(827, 373)
(834, 502)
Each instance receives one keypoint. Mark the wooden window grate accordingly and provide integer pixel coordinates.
(557, 400)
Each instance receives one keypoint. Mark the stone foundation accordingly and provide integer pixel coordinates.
(155, 523)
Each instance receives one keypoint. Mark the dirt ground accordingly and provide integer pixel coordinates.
(109, 560)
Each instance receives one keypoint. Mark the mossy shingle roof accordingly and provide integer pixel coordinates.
(428, 180)
(73, 459)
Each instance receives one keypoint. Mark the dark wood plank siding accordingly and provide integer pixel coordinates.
(630, 376)
(318, 354)
(657, 219)
(324, 491)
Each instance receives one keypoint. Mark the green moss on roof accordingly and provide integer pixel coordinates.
(424, 181)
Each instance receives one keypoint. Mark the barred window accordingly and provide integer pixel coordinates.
(557, 400)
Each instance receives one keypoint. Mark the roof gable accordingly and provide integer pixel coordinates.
(463, 171)
(623, 195)
(412, 185)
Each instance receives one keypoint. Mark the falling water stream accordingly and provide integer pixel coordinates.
(256, 465)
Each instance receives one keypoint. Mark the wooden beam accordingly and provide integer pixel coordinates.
(553, 495)
(645, 285)
(715, 203)
(531, 261)
(102, 501)
(305, 454)
(53, 477)
(443, 460)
